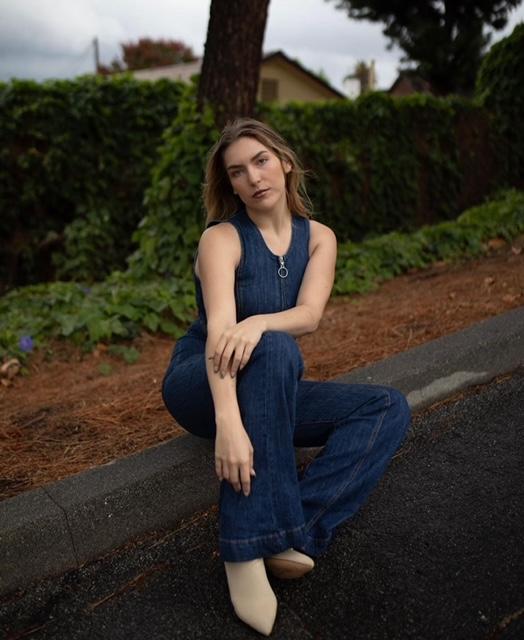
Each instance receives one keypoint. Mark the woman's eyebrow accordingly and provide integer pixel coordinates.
(235, 166)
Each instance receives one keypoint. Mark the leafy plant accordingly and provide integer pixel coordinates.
(174, 215)
(361, 267)
(117, 309)
(92, 247)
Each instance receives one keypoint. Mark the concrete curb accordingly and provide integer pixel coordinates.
(63, 525)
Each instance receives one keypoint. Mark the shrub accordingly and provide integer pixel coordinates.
(499, 88)
(70, 147)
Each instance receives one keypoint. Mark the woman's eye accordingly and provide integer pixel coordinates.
(262, 160)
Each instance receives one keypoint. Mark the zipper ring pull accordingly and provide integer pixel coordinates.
(282, 270)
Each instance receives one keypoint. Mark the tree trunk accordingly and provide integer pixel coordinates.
(232, 56)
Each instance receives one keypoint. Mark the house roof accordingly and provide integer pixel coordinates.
(184, 70)
(417, 82)
(276, 55)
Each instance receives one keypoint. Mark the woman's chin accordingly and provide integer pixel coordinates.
(268, 203)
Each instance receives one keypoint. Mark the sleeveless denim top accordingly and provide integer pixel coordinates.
(264, 282)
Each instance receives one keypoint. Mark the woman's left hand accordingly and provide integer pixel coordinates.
(238, 342)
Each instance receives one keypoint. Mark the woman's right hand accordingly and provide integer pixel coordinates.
(234, 454)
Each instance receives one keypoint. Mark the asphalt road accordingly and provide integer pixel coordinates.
(437, 552)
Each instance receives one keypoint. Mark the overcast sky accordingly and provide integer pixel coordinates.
(42, 39)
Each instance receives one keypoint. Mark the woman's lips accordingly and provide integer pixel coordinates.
(261, 193)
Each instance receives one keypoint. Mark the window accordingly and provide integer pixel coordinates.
(269, 89)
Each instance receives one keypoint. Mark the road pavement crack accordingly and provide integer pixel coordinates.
(68, 526)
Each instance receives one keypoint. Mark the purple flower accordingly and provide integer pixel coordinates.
(26, 343)
(86, 290)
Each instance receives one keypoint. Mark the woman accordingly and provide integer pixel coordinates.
(264, 271)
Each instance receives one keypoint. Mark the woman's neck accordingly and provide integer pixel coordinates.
(274, 221)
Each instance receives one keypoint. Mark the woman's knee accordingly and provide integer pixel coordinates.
(275, 339)
(281, 348)
(187, 397)
(400, 409)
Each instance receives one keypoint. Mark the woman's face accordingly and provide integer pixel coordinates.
(256, 174)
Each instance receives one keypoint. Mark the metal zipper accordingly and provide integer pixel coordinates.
(282, 270)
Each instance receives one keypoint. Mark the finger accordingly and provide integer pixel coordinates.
(218, 352)
(218, 468)
(246, 355)
(234, 478)
(237, 361)
(245, 478)
(226, 357)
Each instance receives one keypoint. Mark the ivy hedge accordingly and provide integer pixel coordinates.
(499, 89)
(76, 152)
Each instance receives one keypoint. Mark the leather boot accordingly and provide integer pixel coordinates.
(251, 594)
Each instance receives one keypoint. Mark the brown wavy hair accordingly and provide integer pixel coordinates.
(219, 200)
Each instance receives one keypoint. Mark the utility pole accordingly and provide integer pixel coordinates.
(97, 54)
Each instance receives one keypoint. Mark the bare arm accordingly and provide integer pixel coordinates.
(233, 448)
(217, 277)
(315, 289)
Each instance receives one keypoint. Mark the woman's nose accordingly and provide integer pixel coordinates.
(253, 175)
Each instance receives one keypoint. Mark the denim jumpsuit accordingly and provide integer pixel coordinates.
(361, 426)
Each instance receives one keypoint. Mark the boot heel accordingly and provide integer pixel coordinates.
(289, 564)
(287, 569)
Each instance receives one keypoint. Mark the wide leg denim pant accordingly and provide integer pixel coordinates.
(361, 426)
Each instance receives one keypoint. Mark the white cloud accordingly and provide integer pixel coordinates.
(52, 27)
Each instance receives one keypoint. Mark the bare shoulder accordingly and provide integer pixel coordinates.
(320, 234)
(223, 235)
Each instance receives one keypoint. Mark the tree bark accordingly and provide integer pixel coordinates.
(232, 56)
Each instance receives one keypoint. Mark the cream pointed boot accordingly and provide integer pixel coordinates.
(251, 594)
(289, 564)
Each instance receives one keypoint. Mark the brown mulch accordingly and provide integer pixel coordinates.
(67, 415)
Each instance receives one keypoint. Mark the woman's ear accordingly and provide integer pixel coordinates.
(287, 166)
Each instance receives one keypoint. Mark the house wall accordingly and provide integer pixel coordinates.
(292, 85)
(182, 71)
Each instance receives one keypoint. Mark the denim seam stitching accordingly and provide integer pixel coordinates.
(357, 468)
(280, 533)
(334, 422)
(266, 438)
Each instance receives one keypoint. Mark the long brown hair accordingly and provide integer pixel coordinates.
(220, 201)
